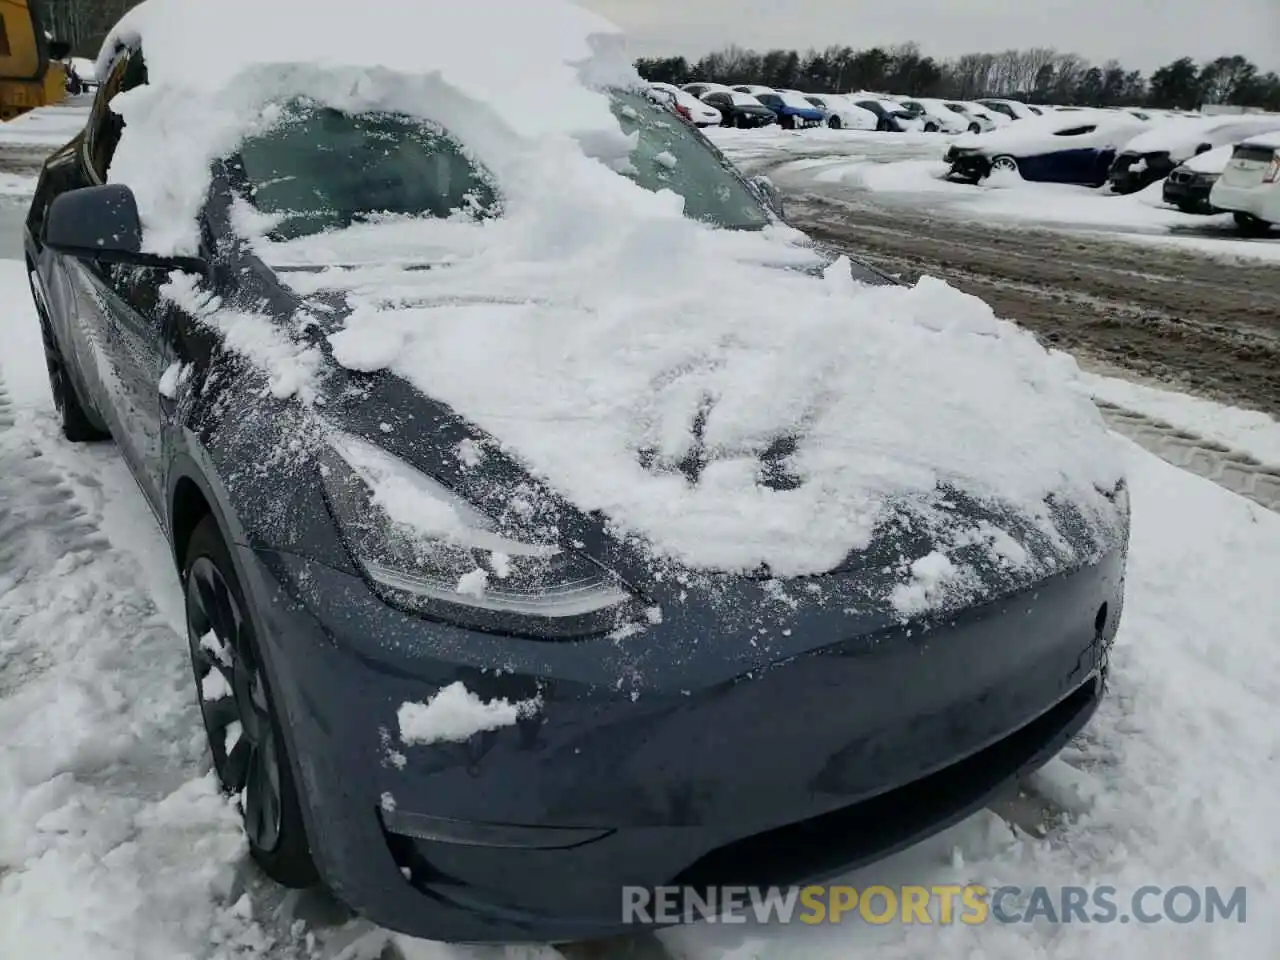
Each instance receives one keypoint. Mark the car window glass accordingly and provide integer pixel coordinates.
(320, 169)
(1076, 131)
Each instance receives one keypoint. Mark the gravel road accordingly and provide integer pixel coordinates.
(1206, 326)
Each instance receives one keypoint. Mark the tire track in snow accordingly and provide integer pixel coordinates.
(1238, 472)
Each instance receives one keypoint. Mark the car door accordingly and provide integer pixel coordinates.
(124, 314)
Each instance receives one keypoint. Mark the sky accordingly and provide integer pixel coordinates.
(1143, 34)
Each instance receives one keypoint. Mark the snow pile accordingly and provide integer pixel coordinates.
(771, 418)
(377, 54)
(455, 714)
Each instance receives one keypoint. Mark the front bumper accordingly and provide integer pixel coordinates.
(688, 770)
(1190, 191)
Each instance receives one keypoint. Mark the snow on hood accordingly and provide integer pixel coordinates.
(577, 327)
(1184, 134)
(1034, 133)
(598, 356)
(375, 53)
(1211, 161)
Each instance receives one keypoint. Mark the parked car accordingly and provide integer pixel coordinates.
(1013, 109)
(1190, 183)
(1064, 147)
(937, 117)
(701, 89)
(1249, 187)
(980, 120)
(891, 117)
(793, 110)
(1153, 155)
(697, 112)
(740, 110)
(842, 113)
(755, 89)
(503, 588)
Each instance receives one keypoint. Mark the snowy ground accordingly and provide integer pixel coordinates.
(115, 844)
(907, 170)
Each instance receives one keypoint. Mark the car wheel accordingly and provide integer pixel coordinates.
(77, 425)
(1005, 164)
(975, 128)
(834, 123)
(240, 717)
(882, 125)
(930, 128)
(1251, 225)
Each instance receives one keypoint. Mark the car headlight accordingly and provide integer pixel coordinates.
(425, 548)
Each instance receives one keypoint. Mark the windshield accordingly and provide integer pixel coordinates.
(320, 169)
(671, 155)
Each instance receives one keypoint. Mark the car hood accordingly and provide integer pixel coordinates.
(783, 422)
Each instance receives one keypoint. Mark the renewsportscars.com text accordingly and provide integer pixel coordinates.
(937, 905)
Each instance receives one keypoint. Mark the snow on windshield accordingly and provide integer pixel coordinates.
(601, 323)
(795, 100)
(744, 99)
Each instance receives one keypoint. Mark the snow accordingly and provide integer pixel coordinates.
(455, 714)
(1211, 161)
(1041, 134)
(491, 92)
(48, 127)
(890, 390)
(17, 185)
(1181, 135)
(1265, 140)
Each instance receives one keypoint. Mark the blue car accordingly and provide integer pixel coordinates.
(792, 110)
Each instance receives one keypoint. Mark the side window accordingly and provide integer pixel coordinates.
(106, 126)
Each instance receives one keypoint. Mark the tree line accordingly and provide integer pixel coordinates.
(1036, 75)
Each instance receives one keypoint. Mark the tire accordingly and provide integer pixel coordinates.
(1250, 225)
(975, 128)
(77, 425)
(1005, 163)
(787, 122)
(257, 767)
(834, 123)
(930, 128)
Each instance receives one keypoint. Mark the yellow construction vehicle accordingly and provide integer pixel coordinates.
(31, 70)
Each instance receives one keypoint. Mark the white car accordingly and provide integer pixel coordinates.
(1250, 185)
(980, 118)
(1171, 140)
(1074, 146)
(1013, 109)
(843, 113)
(938, 117)
(688, 106)
(702, 88)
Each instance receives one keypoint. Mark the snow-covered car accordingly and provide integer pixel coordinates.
(1075, 146)
(842, 113)
(937, 117)
(698, 112)
(740, 110)
(755, 89)
(438, 353)
(1013, 109)
(1249, 187)
(792, 109)
(980, 119)
(891, 116)
(1190, 183)
(702, 88)
(1152, 155)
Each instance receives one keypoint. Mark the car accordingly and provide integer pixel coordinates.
(1152, 156)
(980, 119)
(891, 117)
(937, 117)
(740, 110)
(1074, 147)
(506, 588)
(1249, 187)
(1013, 109)
(697, 112)
(792, 110)
(702, 88)
(842, 113)
(1188, 186)
(755, 89)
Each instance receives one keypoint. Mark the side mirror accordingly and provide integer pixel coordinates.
(768, 192)
(102, 223)
(1203, 148)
